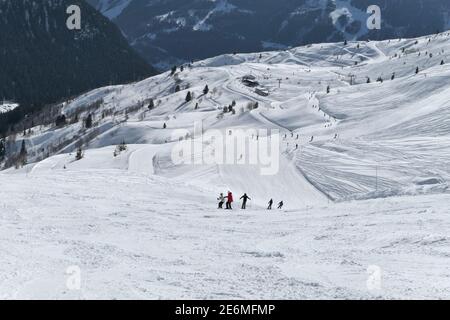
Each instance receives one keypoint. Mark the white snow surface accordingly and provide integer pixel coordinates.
(369, 192)
(7, 106)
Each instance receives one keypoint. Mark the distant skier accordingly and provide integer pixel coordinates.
(221, 201)
(280, 205)
(244, 199)
(229, 200)
(270, 204)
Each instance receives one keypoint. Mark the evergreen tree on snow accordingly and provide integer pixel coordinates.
(79, 154)
(61, 121)
(206, 90)
(151, 105)
(88, 122)
(120, 148)
(2, 150)
(22, 158)
(188, 96)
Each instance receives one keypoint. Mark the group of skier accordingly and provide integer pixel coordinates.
(228, 201)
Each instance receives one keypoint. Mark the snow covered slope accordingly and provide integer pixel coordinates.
(146, 237)
(369, 140)
(363, 172)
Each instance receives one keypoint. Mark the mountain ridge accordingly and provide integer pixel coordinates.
(171, 32)
(353, 121)
(42, 61)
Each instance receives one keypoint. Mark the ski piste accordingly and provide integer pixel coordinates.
(365, 186)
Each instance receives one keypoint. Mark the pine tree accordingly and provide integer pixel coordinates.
(393, 76)
(206, 90)
(328, 89)
(165, 126)
(442, 62)
(368, 80)
(61, 121)
(79, 154)
(188, 96)
(174, 69)
(151, 105)
(417, 70)
(2, 150)
(88, 122)
(22, 160)
(120, 148)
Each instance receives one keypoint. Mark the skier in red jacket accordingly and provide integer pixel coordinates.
(229, 200)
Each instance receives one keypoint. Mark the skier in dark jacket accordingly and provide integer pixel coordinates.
(270, 204)
(244, 199)
(221, 200)
(280, 205)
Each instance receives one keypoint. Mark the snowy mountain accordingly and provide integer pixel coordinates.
(362, 168)
(42, 61)
(358, 126)
(173, 31)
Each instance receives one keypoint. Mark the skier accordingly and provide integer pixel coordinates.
(229, 200)
(280, 205)
(244, 199)
(270, 204)
(221, 201)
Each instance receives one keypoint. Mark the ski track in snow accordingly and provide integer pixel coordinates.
(167, 242)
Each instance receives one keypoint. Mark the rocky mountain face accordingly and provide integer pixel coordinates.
(167, 32)
(42, 61)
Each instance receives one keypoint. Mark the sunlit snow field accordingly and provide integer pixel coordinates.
(365, 184)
